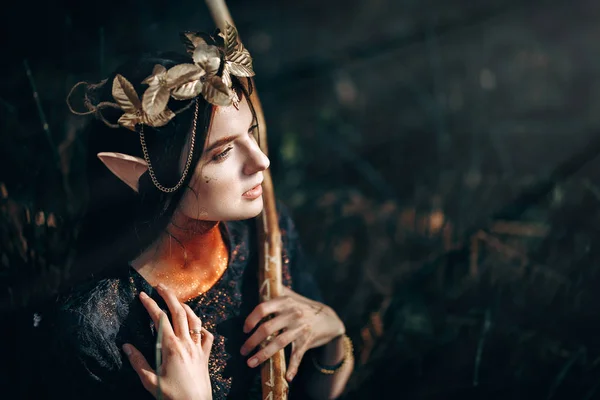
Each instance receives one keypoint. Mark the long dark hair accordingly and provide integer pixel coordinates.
(119, 223)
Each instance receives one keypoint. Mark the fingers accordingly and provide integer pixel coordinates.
(266, 329)
(266, 308)
(141, 366)
(207, 342)
(279, 342)
(298, 351)
(194, 323)
(155, 313)
(178, 313)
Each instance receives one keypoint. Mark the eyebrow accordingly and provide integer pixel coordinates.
(220, 142)
(226, 140)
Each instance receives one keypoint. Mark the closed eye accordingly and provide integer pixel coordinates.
(222, 155)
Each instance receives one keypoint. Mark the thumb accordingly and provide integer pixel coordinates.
(141, 366)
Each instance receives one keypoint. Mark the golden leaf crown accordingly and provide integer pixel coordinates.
(208, 75)
(215, 59)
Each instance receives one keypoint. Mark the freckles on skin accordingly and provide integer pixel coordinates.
(209, 178)
(220, 187)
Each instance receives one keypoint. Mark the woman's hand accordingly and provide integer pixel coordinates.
(305, 323)
(186, 346)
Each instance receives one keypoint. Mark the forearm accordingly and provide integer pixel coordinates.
(324, 386)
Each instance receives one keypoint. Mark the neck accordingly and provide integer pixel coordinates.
(189, 240)
(189, 258)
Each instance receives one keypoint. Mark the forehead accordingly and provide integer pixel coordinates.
(229, 121)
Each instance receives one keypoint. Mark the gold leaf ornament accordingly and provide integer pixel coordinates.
(156, 97)
(158, 120)
(226, 77)
(158, 72)
(221, 54)
(237, 58)
(187, 91)
(237, 61)
(215, 91)
(183, 78)
(230, 38)
(191, 40)
(208, 58)
(240, 64)
(125, 95)
(183, 73)
(129, 121)
(214, 88)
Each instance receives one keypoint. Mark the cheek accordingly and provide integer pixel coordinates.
(217, 186)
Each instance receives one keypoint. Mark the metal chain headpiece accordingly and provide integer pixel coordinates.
(188, 162)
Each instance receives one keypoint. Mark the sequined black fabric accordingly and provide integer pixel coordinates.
(96, 320)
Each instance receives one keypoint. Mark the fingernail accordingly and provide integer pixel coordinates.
(245, 329)
(243, 351)
(161, 286)
(127, 349)
(253, 362)
(290, 376)
(143, 295)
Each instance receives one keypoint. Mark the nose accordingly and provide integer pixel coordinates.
(257, 161)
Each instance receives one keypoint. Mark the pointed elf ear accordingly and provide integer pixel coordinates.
(127, 168)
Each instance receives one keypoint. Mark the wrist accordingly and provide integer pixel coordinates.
(333, 355)
(330, 353)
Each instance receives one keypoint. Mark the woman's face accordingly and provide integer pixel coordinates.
(227, 180)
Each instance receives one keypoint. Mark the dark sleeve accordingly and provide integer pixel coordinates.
(81, 363)
(301, 267)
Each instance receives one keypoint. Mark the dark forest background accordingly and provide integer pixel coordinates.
(439, 157)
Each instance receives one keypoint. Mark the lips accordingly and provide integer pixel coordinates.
(253, 193)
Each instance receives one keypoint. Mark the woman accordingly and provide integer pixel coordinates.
(179, 236)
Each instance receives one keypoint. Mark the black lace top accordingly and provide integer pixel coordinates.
(95, 321)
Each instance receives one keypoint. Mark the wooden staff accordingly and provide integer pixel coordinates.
(274, 385)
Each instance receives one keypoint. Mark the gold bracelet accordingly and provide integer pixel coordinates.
(348, 354)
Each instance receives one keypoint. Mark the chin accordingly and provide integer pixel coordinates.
(246, 211)
(256, 208)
